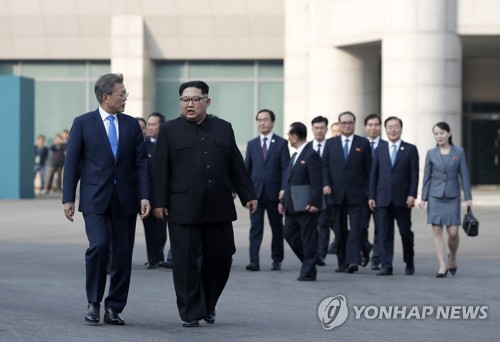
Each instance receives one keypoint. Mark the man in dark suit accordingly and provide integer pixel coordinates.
(373, 124)
(195, 169)
(301, 231)
(346, 170)
(106, 153)
(267, 159)
(393, 189)
(155, 230)
(319, 128)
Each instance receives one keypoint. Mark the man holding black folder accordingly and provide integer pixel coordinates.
(301, 220)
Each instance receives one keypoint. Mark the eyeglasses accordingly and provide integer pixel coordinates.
(345, 123)
(263, 120)
(122, 95)
(195, 99)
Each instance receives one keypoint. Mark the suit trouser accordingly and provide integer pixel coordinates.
(386, 217)
(198, 290)
(376, 236)
(257, 229)
(301, 233)
(155, 232)
(348, 240)
(325, 223)
(115, 232)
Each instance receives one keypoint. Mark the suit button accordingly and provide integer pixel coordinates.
(210, 181)
(202, 139)
(208, 166)
(206, 152)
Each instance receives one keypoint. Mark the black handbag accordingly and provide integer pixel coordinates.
(470, 223)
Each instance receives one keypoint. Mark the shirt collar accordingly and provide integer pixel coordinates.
(269, 137)
(349, 137)
(397, 143)
(105, 114)
(299, 150)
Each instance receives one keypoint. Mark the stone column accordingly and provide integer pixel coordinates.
(129, 56)
(421, 68)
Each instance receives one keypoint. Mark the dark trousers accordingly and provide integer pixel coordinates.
(198, 289)
(155, 232)
(110, 235)
(257, 229)
(366, 245)
(325, 223)
(386, 217)
(347, 223)
(301, 233)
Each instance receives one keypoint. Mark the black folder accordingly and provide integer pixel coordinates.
(300, 198)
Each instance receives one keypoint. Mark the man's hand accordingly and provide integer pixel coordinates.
(252, 205)
(281, 194)
(372, 204)
(410, 202)
(312, 209)
(160, 213)
(281, 208)
(421, 205)
(327, 190)
(69, 210)
(145, 209)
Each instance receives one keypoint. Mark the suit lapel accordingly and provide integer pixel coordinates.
(101, 132)
(270, 150)
(400, 153)
(122, 128)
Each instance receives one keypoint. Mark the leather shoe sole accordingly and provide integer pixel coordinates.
(210, 318)
(306, 278)
(190, 324)
(352, 269)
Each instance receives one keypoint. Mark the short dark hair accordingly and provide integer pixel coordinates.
(393, 118)
(106, 84)
(158, 115)
(348, 113)
(141, 119)
(320, 119)
(271, 114)
(195, 84)
(373, 116)
(299, 129)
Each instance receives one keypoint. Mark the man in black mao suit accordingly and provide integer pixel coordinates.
(195, 169)
(155, 230)
(267, 159)
(393, 189)
(301, 231)
(106, 154)
(346, 170)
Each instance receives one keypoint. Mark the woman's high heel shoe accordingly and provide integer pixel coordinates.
(442, 275)
(452, 270)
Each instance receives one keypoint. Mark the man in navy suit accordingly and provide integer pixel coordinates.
(393, 189)
(301, 231)
(267, 159)
(106, 154)
(346, 170)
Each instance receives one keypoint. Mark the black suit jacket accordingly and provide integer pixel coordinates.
(347, 177)
(393, 184)
(307, 170)
(195, 167)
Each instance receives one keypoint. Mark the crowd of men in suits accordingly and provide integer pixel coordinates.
(358, 177)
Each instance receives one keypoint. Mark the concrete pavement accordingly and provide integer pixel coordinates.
(42, 295)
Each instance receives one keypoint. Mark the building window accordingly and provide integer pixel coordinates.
(63, 90)
(238, 89)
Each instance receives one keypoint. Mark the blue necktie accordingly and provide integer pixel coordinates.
(393, 154)
(346, 149)
(373, 149)
(112, 136)
(319, 149)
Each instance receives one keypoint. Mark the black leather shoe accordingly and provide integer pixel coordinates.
(92, 315)
(410, 270)
(301, 278)
(210, 318)
(165, 264)
(191, 324)
(151, 266)
(253, 266)
(375, 266)
(275, 267)
(386, 271)
(320, 261)
(352, 268)
(365, 256)
(113, 317)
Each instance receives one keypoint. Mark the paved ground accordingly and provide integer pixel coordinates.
(42, 296)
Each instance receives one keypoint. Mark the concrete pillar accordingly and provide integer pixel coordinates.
(129, 56)
(421, 68)
(296, 62)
